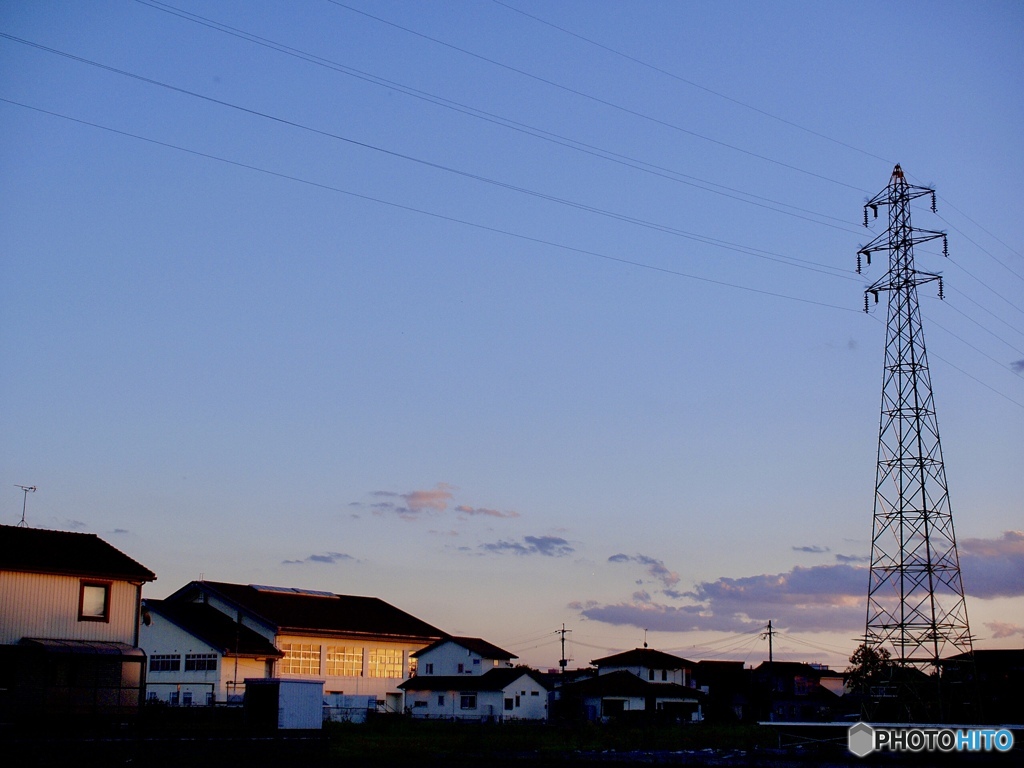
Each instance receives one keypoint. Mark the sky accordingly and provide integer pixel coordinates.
(513, 314)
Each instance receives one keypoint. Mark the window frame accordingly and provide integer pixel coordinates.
(106, 586)
(165, 662)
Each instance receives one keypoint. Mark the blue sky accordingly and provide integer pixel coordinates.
(509, 313)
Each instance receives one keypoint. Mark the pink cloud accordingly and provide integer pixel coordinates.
(436, 499)
(466, 510)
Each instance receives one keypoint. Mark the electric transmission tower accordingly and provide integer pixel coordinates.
(916, 606)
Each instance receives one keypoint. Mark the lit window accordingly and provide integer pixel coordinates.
(344, 661)
(164, 662)
(385, 662)
(94, 601)
(300, 659)
(200, 662)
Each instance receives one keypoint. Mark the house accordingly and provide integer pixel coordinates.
(642, 683)
(467, 678)
(791, 691)
(727, 686)
(69, 624)
(355, 645)
(205, 654)
(985, 685)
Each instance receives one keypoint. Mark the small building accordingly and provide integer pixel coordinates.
(69, 623)
(356, 645)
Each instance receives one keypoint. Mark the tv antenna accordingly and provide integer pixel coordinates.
(24, 502)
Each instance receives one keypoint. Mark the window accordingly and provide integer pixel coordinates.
(172, 698)
(467, 700)
(186, 698)
(385, 662)
(462, 668)
(428, 669)
(419, 704)
(151, 696)
(664, 674)
(211, 698)
(440, 700)
(200, 662)
(535, 693)
(300, 659)
(650, 674)
(345, 661)
(94, 601)
(508, 705)
(164, 662)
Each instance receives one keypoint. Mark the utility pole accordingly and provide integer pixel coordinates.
(562, 662)
(24, 502)
(769, 633)
(915, 606)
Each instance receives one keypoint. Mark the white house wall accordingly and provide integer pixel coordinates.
(163, 637)
(46, 606)
(362, 684)
(446, 658)
(677, 676)
(526, 697)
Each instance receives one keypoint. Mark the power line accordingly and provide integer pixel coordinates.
(749, 250)
(433, 214)
(628, 161)
(595, 99)
(692, 83)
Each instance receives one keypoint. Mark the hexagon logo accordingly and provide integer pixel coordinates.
(861, 739)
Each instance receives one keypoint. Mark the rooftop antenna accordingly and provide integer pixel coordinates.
(645, 637)
(24, 501)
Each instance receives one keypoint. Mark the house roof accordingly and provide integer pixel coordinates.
(474, 644)
(288, 609)
(216, 629)
(495, 680)
(625, 683)
(644, 657)
(36, 550)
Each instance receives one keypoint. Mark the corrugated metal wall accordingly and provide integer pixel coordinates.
(39, 605)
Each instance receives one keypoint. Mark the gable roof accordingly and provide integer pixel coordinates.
(287, 609)
(644, 657)
(473, 644)
(216, 629)
(495, 680)
(37, 550)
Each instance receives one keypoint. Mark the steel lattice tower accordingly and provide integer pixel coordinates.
(916, 606)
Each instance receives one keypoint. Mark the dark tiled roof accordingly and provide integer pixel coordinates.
(644, 657)
(307, 612)
(623, 683)
(480, 647)
(215, 628)
(35, 550)
(495, 680)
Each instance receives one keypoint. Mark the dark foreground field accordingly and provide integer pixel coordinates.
(426, 745)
